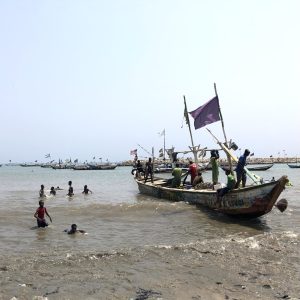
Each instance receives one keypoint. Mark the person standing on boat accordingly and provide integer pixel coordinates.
(139, 169)
(70, 191)
(149, 170)
(177, 173)
(214, 161)
(240, 172)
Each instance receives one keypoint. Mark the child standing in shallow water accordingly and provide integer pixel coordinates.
(86, 190)
(42, 191)
(70, 191)
(52, 191)
(40, 215)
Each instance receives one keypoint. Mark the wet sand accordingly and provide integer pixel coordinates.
(231, 268)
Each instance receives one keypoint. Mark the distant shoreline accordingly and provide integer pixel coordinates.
(250, 161)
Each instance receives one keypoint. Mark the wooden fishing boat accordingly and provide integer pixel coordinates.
(62, 166)
(293, 166)
(103, 167)
(30, 165)
(83, 167)
(251, 201)
(253, 168)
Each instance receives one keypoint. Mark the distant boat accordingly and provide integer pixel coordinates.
(62, 166)
(82, 167)
(86, 167)
(253, 168)
(293, 166)
(30, 165)
(103, 166)
(167, 169)
(47, 165)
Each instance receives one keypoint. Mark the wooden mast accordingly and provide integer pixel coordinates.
(223, 128)
(164, 144)
(189, 125)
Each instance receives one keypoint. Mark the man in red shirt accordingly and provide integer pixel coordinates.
(193, 171)
(40, 215)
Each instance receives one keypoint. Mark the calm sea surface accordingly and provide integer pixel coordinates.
(138, 247)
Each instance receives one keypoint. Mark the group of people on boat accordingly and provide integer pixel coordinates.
(197, 180)
(146, 172)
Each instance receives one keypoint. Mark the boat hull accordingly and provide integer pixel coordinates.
(253, 168)
(294, 166)
(252, 201)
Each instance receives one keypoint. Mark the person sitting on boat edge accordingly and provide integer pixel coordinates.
(230, 184)
(240, 171)
(198, 179)
(86, 190)
(149, 170)
(177, 173)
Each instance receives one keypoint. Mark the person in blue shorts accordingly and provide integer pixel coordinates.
(240, 171)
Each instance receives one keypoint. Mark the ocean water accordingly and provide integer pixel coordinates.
(139, 247)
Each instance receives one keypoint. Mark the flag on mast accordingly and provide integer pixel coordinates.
(186, 115)
(133, 152)
(207, 113)
(162, 133)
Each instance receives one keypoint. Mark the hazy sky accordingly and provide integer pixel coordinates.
(96, 78)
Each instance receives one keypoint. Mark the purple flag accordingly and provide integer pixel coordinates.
(206, 114)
